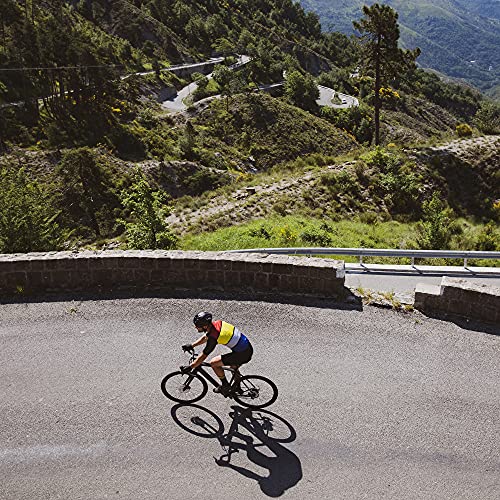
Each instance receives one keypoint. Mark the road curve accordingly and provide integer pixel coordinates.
(373, 404)
(176, 103)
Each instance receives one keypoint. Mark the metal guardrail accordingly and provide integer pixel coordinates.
(378, 252)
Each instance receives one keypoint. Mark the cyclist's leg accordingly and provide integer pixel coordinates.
(217, 364)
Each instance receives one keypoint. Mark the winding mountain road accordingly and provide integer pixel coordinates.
(373, 404)
(176, 103)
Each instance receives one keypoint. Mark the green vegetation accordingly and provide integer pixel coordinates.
(74, 130)
(290, 231)
(487, 119)
(256, 125)
(296, 231)
(146, 228)
(28, 217)
(87, 192)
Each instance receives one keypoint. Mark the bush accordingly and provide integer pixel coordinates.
(487, 119)
(435, 229)
(317, 237)
(203, 180)
(260, 232)
(463, 130)
(381, 159)
(488, 238)
(286, 236)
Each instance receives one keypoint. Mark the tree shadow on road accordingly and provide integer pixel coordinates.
(259, 434)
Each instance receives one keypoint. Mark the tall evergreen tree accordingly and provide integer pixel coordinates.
(381, 57)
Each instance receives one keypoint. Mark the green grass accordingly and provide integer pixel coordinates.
(293, 231)
(297, 231)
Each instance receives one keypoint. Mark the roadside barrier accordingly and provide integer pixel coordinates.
(114, 270)
(459, 297)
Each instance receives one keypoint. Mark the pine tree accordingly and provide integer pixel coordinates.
(381, 57)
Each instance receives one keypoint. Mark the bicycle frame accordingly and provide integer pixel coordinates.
(210, 378)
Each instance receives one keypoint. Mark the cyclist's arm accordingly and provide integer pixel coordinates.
(211, 343)
(200, 341)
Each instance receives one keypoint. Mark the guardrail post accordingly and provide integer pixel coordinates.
(413, 262)
(465, 261)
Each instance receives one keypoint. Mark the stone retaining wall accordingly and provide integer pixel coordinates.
(39, 273)
(459, 297)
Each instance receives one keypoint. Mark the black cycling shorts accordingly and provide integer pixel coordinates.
(237, 358)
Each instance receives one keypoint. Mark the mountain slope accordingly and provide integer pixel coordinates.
(458, 39)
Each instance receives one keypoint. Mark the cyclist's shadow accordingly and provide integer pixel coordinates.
(266, 431)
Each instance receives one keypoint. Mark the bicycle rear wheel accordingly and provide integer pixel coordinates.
(255, 391)
(184, 388)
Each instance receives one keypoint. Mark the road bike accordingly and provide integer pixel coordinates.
(252, 391)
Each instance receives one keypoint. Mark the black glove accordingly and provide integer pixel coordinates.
(187, 347)
(185, 369)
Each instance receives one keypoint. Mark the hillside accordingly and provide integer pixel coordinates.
(458, 38)
(392, 185)
(82, 129)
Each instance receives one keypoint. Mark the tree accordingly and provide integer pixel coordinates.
(487, 119)
(27, 215)
(86, 190)
(380, 55)
(187, 142)
(147, 228)
(301, 90)
(222, 75)
(156, 67)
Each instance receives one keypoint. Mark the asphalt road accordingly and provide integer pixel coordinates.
(373, 404)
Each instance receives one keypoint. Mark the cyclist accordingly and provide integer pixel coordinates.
(219, 332)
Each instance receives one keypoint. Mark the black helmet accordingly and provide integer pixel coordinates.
(202, 319)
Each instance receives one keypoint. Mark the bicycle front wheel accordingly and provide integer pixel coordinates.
(184, 388)
(255, 391)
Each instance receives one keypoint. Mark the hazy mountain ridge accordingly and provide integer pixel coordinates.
(458, 39)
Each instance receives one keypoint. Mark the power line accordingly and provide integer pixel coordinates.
(51, 68)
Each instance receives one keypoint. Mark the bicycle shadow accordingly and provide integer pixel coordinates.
(264, 430)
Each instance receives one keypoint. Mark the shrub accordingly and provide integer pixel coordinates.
(316, 236)
(487, 119)
(203, 180)
(286, 236)
(435, 229)
(381, 159)
(488, 238)
(463, 130)
(260, 232)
